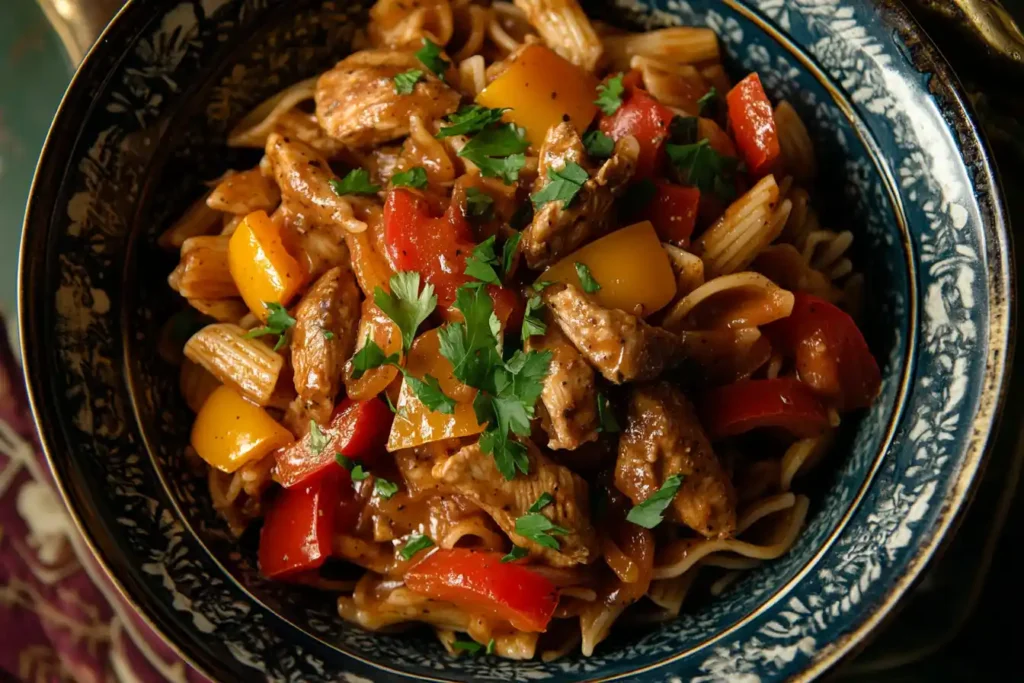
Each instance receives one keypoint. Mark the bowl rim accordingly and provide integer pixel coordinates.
(1000, 260)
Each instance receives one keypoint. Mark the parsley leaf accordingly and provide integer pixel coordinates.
(517, 553)
(406, 81)
(508, 253)
(356, 182)
(590, 285)
(328, 335)
(384, 488)
(428, 391)
(469, 646)
(490, 646)
(391, 406)
(684, 130)
(471, 346)
(415, 177)
(609, 95)
(533, 325)
(430, 57)
(498, 151)
(542, 502)
(317, 440)
(563, 184)
(479, 204)
(406, 305)
(356, 470)
(606, 418)
(369, 357)
(650, 513)
(278, 322)
(470, 120)
(707, 105)
(480, 264)
(416, 543)
(540, 530)
(358, 473)
(699, 165)
(599, 145)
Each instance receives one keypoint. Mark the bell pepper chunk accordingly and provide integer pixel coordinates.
(542, 89)
(830, 352)
(415, 424)
(260, 265)
(358, 430)
(374, 324)
(784, 403)
(647, 120)
(630, 265)
(229, 431)
(480, 583)
(753, 124)
(673, 212)
(298, 526)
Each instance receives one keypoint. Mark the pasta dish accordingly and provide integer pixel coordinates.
(520, 325)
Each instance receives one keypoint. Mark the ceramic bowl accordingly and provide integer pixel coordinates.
(902, 166)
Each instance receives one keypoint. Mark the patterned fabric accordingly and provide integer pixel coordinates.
(60, 617)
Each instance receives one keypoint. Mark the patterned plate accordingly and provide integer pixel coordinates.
(903, 168)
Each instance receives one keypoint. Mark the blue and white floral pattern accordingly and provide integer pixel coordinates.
(912, 181)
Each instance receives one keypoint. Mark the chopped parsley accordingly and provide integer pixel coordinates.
(481, 263)
(609, 95)
(563, 185)
(468, 646)
(498, 151)
(508, 254)
(369, 357)
(357, 471)
(479, 204)
(415, 177)
(317, 439)
(538, 528)
(391, 406)
(707, 105)
(700, 166)
(416, 543)
(606, 418)
(470, 120)
(490, 646)
(384, 488)
(406, 305)
(430, 57)
(542, 502)
(650, 513)
(427, 390)
(590, 285)
(406, 81)
(356, 182)
(278, 322)
(533, 324)
(517, 553)
(598, 145)
(328, 335)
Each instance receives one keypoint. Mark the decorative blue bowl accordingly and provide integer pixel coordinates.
(143, 125)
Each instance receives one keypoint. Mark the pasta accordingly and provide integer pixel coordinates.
(443, 316)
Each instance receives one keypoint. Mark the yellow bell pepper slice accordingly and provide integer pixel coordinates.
(260, 265)
(229, 431)
(630, 265)
(377, 326)
(415, 424)
(541, 88)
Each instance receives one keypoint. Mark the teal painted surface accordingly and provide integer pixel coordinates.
(33, 74)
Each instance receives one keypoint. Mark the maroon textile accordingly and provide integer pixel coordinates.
(61, 618)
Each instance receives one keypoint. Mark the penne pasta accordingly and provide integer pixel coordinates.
(679, 45)
(565, 29)
(247, 365)
(203, 270)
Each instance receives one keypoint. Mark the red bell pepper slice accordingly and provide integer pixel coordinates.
(648, 121)
(741, 406)
(358, 430)
(673, 212)
(479, 582)
(830, 352)
(753, 124)
(298, 527)
(437, 248)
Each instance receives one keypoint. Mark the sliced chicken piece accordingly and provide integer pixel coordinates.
(357, 105)
(326, 321)
(569, 398)
(473, 475)
(619, 345)
(304, 178)
(244, 192)
(664, 438)
(556, 230)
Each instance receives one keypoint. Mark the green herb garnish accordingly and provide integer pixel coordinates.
(468, 646)
(278, 322)
(605, 416)
(430, 57)
(609, 95)
(481, 263)
(406, 305)
(356, 182)
(538, 528)
(706, 105)
(406, 81)
(328, 335)
(470, 120)
(598, 145)
(700, 166)
(498, 151)
(479, 204)
(684, 130)
(384, 488)
(563, 185)
(415, 177)
(590, 285)
(317, 439)
(533, 324)
(416, 543)
(517, 553)
(650, 513)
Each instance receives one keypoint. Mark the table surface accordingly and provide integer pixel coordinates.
(946, 629)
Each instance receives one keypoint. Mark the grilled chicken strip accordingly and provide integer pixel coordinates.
(357, 105)
(305, 181)
(569, 398)
(244, 192)
(557, 230)
(619, 345)
(473, 475)
(326, 321)
(664, 438)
